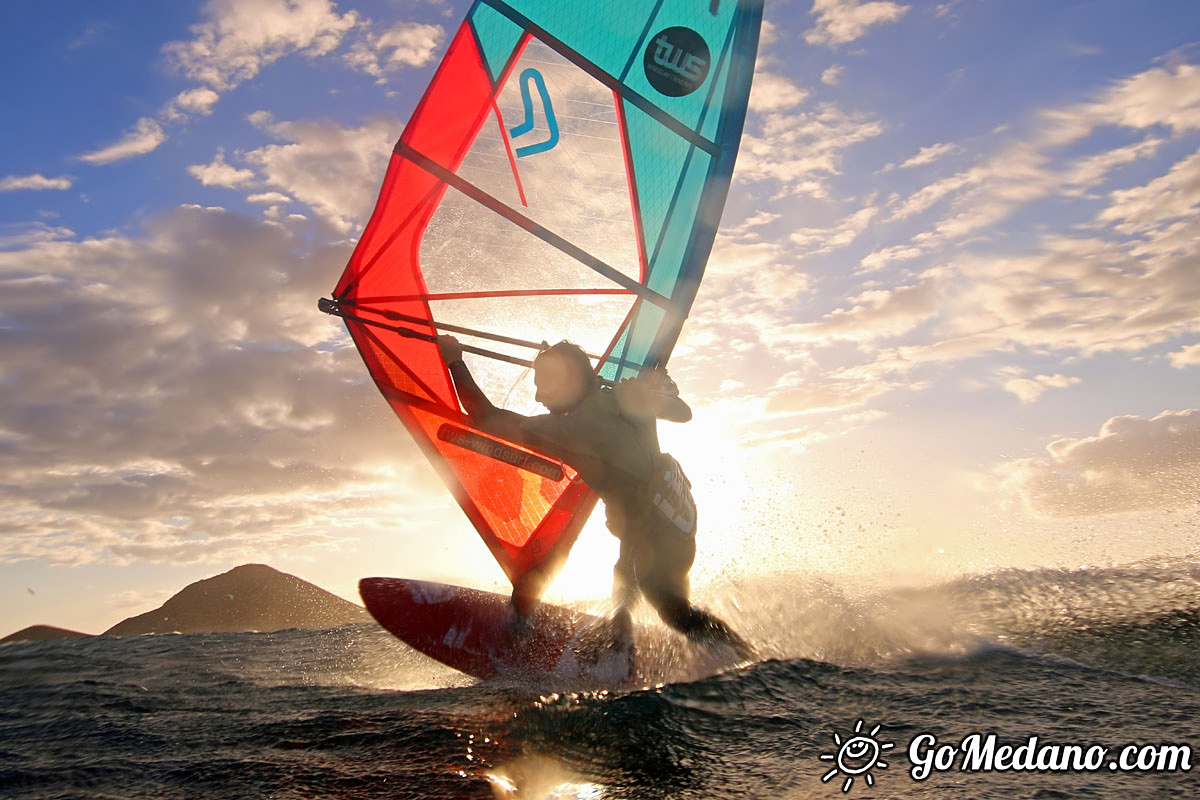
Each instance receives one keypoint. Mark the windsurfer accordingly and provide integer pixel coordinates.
(609, 437)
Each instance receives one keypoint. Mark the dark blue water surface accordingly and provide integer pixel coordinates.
(1104, 658)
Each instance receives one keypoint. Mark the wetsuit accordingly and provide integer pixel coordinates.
(617, 454)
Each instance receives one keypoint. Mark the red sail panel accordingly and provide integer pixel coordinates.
(528, 508)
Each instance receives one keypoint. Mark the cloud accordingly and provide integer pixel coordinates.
(269, 197)
(768, 35)
(1092, 170)
(337, 171)
(1167, 98)
(881, 258)
(1023, 172)
(1132, 464)
(405, 44)
(820, 240)
(36, 182)
(1187, 357)
(1124, 286)
(874, 314)
(799, 393)
(239, 38)
(775, 286)
(746, 230)
(1080, 294)
(92, 32)
(795, 147)
(219, 173)
(23, 235)
(750, 286)
(985, 193)
(242, 36)
(927, 155)
(771, 92)
(798, 150)
(1166, 199)
(833, 75)
(1122, 281)
(199, 100)
(144, 138)
(949, 9)
(843, 21)
(1028, 390)
(334, 170)
(776, 281)
(176, 396)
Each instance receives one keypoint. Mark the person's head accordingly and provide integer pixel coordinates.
(563, 376)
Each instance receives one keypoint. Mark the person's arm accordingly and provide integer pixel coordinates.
(653, 395)
(498, 421)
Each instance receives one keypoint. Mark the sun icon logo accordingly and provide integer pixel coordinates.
(856, 756)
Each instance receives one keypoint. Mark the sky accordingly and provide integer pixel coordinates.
(950, 325)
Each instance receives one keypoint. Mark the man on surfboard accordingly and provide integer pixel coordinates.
(609, 436)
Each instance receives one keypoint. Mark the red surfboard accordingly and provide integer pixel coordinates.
(480, 633)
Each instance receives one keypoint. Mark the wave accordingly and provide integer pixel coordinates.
(1141, 619)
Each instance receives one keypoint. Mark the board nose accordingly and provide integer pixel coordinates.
(375, 591)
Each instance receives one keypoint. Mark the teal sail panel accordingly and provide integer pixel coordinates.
(680, 71)
(498, 37)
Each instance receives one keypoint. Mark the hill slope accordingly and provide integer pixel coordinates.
(252, 597)
(42, 633)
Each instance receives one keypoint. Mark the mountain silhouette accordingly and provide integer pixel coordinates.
(42, 633)
(252, 597)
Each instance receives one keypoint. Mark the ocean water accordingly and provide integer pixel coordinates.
(1058, 675)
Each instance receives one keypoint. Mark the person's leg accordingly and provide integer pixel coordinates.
(665, 584)
(697, 624)
(625, 590)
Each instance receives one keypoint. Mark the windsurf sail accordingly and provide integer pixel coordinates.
(562, 178)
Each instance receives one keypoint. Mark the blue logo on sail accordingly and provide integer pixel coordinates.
(531, 77)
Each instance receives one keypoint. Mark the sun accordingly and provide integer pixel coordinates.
(856, 756)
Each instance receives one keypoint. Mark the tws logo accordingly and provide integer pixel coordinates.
(676, 61)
